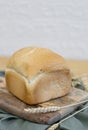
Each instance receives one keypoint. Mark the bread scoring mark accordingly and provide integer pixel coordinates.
(30, 52)
(32, 80)
(36, 77)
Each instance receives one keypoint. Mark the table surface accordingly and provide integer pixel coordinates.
(76, 66)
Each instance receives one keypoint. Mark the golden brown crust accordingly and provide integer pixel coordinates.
(43, 87)
(33, 60)
(36, 75)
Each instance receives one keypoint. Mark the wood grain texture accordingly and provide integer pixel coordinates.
(10, 103)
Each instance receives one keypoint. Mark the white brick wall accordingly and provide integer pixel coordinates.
(61, 25)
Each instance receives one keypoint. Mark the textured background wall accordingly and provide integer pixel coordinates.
(61, 25)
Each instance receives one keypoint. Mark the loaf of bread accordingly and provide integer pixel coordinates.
(36, 75)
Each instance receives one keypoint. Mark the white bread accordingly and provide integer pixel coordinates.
(36, 75)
